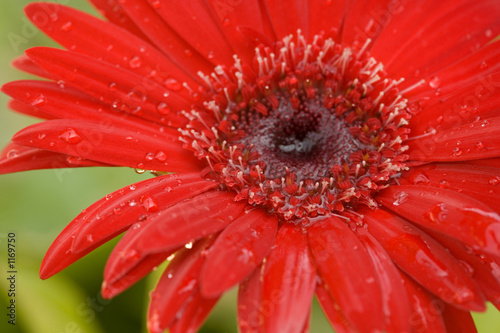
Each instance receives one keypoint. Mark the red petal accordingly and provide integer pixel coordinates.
(105, 219)
(130, 277)
(468, 26)
(164, 37)
(29, 110)
(480, 271)
(477, 140)
(193, 15)
(123, 262)
(114, 13)
(186, 221)
(289, 279)
(458, 321)
(287, 17)
(249, 299)
(347, 270)
(367, 19)
(83, 33)
(476, 181)
(234, 18)
(109, 144)
(59, 102)
(122, 88)
(27, 65)
(332, 310)
(193, 314)
(449, 212)
(427, 310)
(177, 284)
(424, 259)
(325, 16)
(238, 250)
(16, 158)
(396, 306)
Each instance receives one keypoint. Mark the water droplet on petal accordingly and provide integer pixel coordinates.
(112, 86)
(39, 101)
(160, 156)
(132, 187)
(70, 136)
(135, 62)
(400, 198)
(189, 245)
(149, 204)
(479, 145)
(13, 153)
(226, 22)
(438, 213)
(149, 156)
(90, 239)
(67, 26)
(167, 189)
(163, 108)
(132, 203)
(435, 82)
(156, 4)
(41, 136)
(494, 180)
(54, 17)
(488, 33)
(173, 84)
(139, 171)
(419, 178)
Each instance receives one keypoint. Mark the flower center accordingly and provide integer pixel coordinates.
(306, 139)
(311, 130)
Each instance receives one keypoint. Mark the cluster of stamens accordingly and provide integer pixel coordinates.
(309, 130)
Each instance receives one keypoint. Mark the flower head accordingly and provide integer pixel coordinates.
(346, 149)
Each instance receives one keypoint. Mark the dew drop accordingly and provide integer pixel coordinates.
(54, 17)
(67, 26)
(438, 213)
(494, 180)
(169, 275)
(488, 33)
(479, 145)
(39, 101)
(132, 187)
(173, 84)
(188, 53)
(70, 136)
(13, 153)
(90, 239)
(156, 4)
(211, 55)
(167, 189)
(41, 136)
(112, 86)
(400, 198)
(160, 156)
(149, 156)
(132, 203)
(139, 171)
(149, 204)
(163, 108)
(189, 245)
(117, 210)
(419, 178)
(226, 22)
(435, 82)
(135, 62)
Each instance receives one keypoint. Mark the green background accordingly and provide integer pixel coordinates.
(37, 205)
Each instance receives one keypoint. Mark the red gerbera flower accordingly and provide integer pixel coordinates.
(347, 149)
